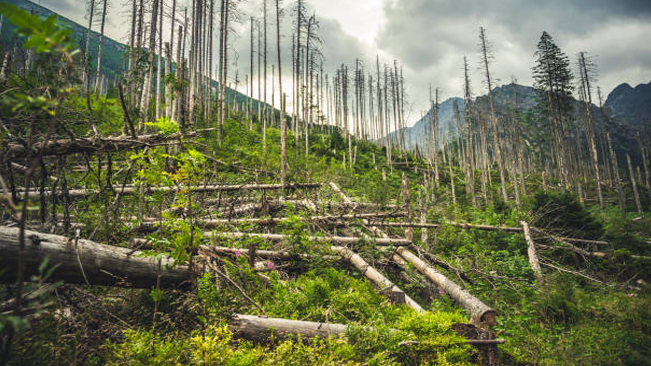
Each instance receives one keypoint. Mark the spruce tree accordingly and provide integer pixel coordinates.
(553, 80)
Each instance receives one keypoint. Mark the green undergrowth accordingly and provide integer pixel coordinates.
(375, 331)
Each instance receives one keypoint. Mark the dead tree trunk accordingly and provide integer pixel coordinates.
(85, 262)
(387, 287)
(479, 312)
(406, 200)
(261, 329)
(485, 56)
(618, 181)
(531, 252)
(638, 204)
(99, 51)
(321, 239)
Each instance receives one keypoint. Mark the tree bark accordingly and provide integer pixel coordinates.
(479, 312)
(90, 145)
(320, 239)
(638, 204)
(387, 287)
(531, 252)
(132, 189)
(262, 328)
(78, 260)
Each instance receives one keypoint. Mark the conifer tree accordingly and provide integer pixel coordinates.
(553, 81)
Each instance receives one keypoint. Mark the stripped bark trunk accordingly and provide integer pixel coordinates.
(320, 239)
(479, 312)
(531, 252)
(99, 51)
(618, 181)
(385, 286)
(631, 173)
(263, 329)
(406, 200)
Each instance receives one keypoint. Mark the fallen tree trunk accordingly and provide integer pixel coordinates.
(479, 312)
(566, 239)
(92, 144)
(484, 227)
(441, 263)
(266, 254)
(321, 239)
(83, 261)
(149, 223)
(531, 252)
(132, 189)
(327, 205)
(261, 329)
(387, 287)
(348, 201)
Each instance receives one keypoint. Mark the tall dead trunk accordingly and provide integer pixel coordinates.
(585, 78)
(251, 81)
(159, 61)
(406, 201)
(283, 123)
(645, 162)
(146, 89)
(618, 181)
(99, 51)
(470, 171)
(496, 142)
(631, 173)
(264, 122)
(85, 59)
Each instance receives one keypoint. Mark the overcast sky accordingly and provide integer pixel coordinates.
(430, 37)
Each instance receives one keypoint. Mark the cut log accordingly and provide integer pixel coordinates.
(261, 329)
(320, 239)
(531, 252)
(101, 264)
(387, 287)
(479, 312)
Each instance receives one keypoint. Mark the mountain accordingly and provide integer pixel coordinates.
(627, 109)
(114, 54)
(419, 134)
(113, 60)
(630, 106)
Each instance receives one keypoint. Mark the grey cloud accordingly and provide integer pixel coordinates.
(431, 37)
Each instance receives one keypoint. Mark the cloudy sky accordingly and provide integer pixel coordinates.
(430, 37)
